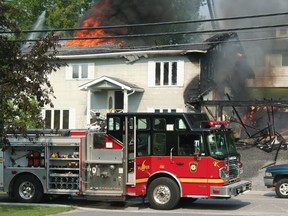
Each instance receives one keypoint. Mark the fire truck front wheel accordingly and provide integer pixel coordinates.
(28, 189)
(163, 194)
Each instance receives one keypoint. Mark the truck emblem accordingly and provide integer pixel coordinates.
(216, 164)
(143, 167)
(193, 166)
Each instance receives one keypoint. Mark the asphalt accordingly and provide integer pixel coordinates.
(255, 161)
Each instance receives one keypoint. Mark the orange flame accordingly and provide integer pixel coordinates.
(93, 22)
(90, 22)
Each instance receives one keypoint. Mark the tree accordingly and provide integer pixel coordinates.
(24, 82)
(59, 14)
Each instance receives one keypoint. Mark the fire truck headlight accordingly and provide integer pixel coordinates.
(223, 173)
(240, 170)
(268, 174)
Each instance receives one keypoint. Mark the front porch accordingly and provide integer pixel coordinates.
(110, 94)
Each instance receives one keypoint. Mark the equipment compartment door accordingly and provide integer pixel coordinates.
(1, 172)
(130, 137)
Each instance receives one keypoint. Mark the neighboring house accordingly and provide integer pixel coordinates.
(96, 81)
(272, 71)
(266, 48)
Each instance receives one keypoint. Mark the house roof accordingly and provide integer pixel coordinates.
(114, 51)
(106, 83)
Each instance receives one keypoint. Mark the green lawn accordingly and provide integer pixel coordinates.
(15, 210)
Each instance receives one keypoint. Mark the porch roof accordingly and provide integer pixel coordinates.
(110, 83)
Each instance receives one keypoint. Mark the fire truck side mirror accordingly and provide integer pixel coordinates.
(197, 151)
(197, 148)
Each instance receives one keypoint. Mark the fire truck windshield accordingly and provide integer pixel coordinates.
(221, 144)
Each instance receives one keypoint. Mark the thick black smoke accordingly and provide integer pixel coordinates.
(123, 12)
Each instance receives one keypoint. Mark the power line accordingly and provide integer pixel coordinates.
(188, 44)
(167, 33)
(152, 24)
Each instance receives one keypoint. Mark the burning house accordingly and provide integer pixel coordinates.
(108, 72)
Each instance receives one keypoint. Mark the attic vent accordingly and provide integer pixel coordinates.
(281, 32)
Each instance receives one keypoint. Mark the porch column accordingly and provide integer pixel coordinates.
(88, 107)
(125, 101)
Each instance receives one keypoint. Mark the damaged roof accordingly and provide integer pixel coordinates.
(103, 50)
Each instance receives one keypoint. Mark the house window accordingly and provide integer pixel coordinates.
(278, 60)
(80, 71)
(285, 59)
(274, 60)
(281, 32)
(168, 73)
(57, 119)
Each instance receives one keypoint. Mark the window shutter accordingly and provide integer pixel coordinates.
(180, 73)
(151, 74)
(72, 119)
(43, 113)
(91, 71)
(68, 72)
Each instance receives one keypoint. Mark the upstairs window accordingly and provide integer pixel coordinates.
(80, 71)
(277, 60)
(167, 73)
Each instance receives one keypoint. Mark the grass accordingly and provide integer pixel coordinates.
(15, 210)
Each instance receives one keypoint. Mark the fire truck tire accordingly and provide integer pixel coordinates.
(281, 188)
(28, 189)
(163, 194)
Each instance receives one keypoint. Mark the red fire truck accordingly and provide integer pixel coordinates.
(161, 156)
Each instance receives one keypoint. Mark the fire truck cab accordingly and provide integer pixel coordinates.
(161, 156)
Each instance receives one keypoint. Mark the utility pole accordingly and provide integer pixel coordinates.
(212, 12)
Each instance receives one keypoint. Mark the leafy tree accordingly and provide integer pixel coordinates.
(28, 12)
(59, 13)
(24, 83)
(66, 14)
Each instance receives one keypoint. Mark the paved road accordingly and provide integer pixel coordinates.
(253, 203)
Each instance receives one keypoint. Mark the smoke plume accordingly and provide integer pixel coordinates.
(256, 50)
(124, 12)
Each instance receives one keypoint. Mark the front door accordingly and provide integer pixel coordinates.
(115, 101)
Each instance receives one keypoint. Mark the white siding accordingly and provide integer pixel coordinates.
(140, 73)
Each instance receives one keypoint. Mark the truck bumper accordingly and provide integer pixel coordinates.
(268, 181)
(230, 190)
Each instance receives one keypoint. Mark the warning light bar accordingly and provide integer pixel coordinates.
(214, 124)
